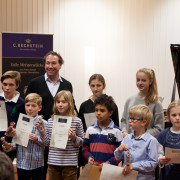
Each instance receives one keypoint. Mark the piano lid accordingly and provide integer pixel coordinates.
(175, 52)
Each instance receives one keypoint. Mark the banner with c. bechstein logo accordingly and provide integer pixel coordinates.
(24, 53)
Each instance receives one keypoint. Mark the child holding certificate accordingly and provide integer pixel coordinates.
(14, 103)
(103, 137)
(30, 159)
(62, 163)
(170, 137)
(139, 150)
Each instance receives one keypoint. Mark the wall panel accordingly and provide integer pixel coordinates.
(45, 16)
(9, 15)
(30, 19)
(13, 19)
(35, 15)
(40, 15)
(20, 15)
(4, 15)
(112, 37)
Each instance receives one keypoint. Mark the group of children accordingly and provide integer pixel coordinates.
(104, 142)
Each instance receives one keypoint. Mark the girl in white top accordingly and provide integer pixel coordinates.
(62, 163)
(147, 95)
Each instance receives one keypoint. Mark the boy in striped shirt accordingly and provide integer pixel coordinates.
(103, 137)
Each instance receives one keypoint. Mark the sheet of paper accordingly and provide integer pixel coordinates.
(174, 154)
(3, 117)
(110, 172)
(90, 172)
(59, 137)
(23, 129)
(90, 119)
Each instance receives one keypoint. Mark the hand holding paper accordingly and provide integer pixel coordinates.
(91, 160)
(40, 127)
(33, 137)
(72, 135)
(127, 169)
(164, 160)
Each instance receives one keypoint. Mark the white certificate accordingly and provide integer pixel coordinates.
(23, 129)
(111, 172)
(90, 119)
(59, 137)
(3, 117)
(174, 154)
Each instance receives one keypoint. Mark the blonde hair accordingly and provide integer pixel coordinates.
(12, 75)
(152, 96)
(68, 98)
(34, 97)
(173, 104)
(141, 111)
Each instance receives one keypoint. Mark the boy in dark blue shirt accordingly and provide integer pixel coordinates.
(14, 103)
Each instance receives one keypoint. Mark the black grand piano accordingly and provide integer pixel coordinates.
(175, 52)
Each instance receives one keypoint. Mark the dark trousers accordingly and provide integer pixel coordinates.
(35, 174)
(46, 152)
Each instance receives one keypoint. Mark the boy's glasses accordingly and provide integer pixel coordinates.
(134, 119)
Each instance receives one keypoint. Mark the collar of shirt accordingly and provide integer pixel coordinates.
(175, 132)
(143, 137)
(47, 79)
(53, 87)
(111, 124)
(35, 119)
(14, 99)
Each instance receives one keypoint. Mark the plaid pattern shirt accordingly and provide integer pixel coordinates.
(32, 156)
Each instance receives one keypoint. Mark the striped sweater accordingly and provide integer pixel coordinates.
(68, 156)
(101, 143)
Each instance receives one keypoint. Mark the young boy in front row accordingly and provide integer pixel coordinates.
(142, 147)
(103, 137)
(30, 159)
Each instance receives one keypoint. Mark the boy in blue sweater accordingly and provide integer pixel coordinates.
(14, 103)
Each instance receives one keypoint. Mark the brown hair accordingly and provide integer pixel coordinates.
(60, 59)
(99, 77)
(12, 75)
(152, 96)
(6, 167)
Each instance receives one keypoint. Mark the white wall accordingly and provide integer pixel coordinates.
(111, 37)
